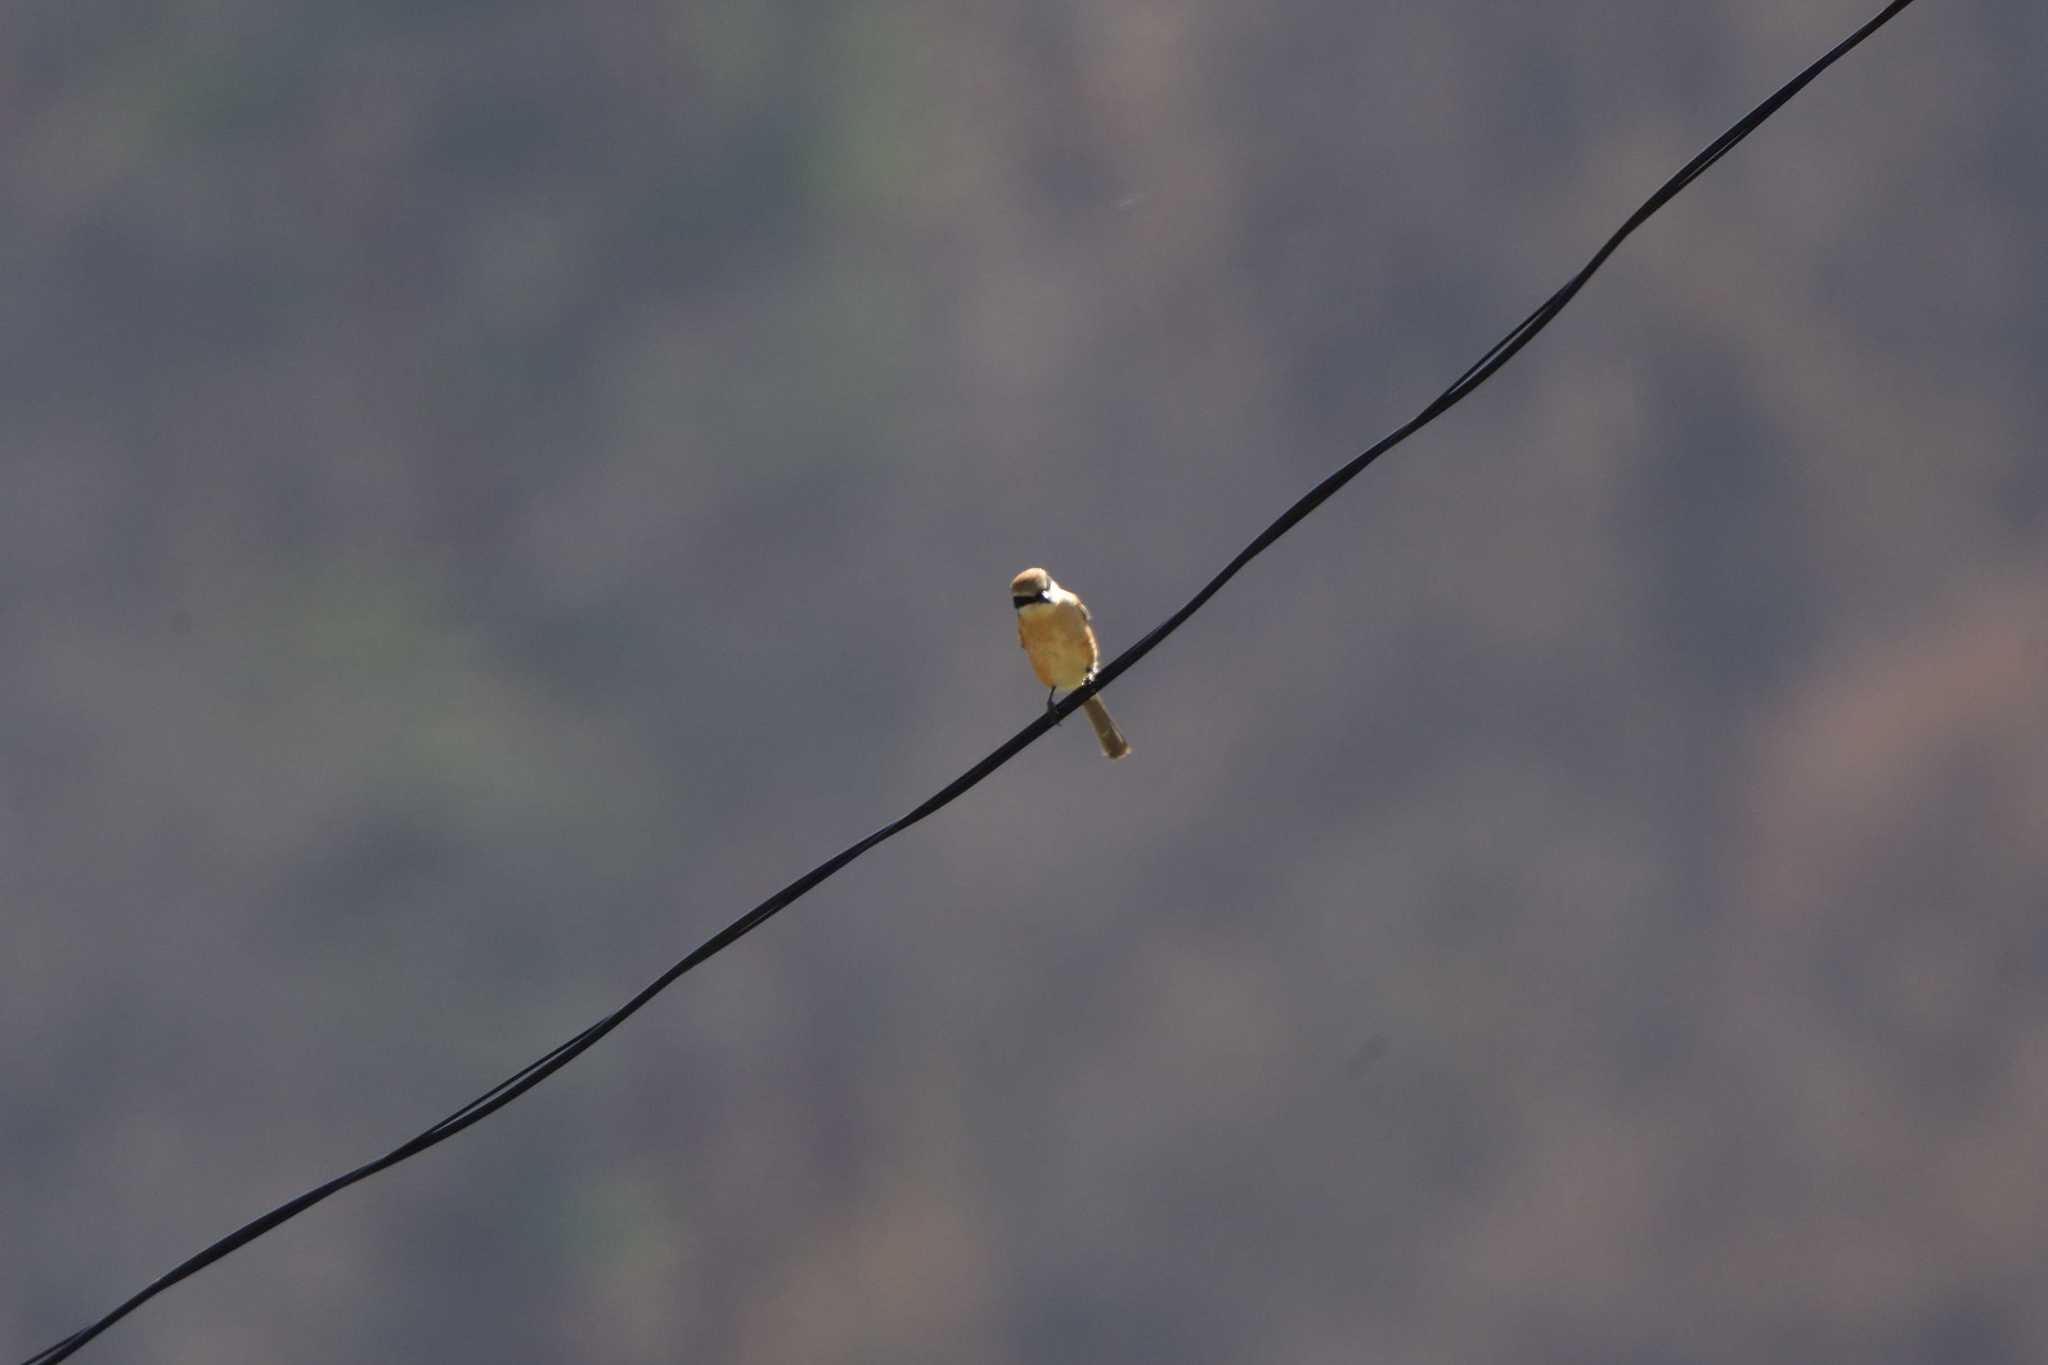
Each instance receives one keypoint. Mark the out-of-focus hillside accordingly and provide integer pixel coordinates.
(489, 491)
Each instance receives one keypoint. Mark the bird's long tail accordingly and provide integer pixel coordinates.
(1113, 742)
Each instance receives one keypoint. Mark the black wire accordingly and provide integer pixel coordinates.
(527, 1077)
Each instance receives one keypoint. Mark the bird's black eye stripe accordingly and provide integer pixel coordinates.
(1026, 601)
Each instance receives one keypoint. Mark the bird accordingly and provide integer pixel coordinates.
(1053, 626)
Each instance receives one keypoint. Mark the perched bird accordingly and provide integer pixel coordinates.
(1052, 625)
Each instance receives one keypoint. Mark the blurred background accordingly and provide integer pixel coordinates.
(491, 491)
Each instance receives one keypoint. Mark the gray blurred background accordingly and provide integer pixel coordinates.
(490, 491)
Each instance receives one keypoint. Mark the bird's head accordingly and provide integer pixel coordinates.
(1033, 585)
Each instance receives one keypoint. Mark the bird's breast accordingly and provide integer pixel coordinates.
(1058, 642)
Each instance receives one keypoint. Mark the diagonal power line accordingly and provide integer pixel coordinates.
(531, 1075)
